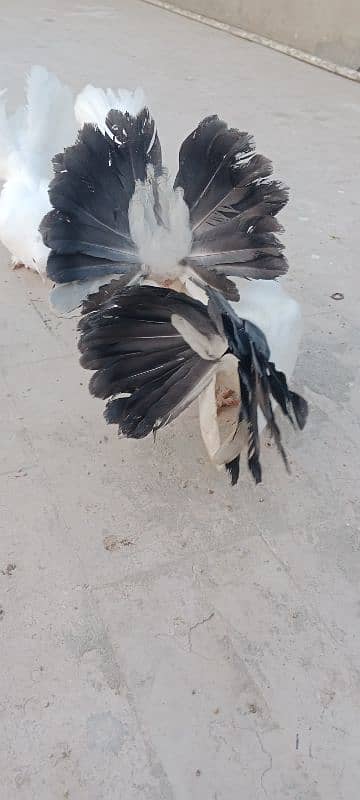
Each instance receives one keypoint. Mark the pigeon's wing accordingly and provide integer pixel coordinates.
(232, 203)
(153, 351)
(88, 229)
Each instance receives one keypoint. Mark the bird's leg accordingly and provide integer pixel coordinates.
(226, 398)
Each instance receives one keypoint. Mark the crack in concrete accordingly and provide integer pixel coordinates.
(270, 764)
(197, 625)
(45, 321)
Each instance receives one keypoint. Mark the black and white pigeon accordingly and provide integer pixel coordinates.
(160, 271)
(155, 350)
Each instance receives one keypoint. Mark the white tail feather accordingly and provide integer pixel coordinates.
(93, 104)
(49, 122)
(30, 137)
(11, 127)
(6, 144)
(163, 239)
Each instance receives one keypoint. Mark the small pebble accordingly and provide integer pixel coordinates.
(9, 569)
(112, 543)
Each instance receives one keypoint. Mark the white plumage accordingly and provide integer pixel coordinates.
(267, 305)
(159, 226)
(270, 307)
(93, 104)
(28, 140)
(44, 126)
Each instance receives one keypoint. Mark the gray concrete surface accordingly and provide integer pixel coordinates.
(163, 636)
(330, 30)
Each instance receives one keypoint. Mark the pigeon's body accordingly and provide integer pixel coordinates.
(177, 282)
(28, 141)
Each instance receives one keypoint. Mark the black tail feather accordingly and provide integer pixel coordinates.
(249, 414)
(103, 298)
(259, 381)
(300, 408)
(90, 193)
(233, 468)
(289, 402)
(134, 345)
(135, 349)
(232, 203)
(217, 281)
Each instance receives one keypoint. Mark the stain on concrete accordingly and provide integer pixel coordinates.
(106, 732)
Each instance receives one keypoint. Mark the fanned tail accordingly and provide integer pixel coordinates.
(154, 351)
(114, 209)
(232, 204)
(142, 361)
(88, 229)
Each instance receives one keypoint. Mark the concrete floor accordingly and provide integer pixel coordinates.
(163, 635)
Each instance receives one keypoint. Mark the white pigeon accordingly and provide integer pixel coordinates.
(28, 140)
(154, 266)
